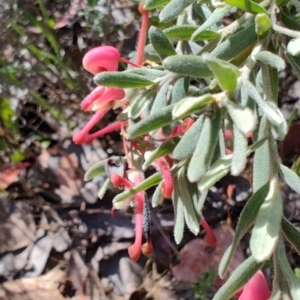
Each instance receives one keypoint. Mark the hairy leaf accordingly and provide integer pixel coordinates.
(245, 221)
(266, 229)
(204, 151)
(238, 278)
(291, 233)
(248, 6)
(188, 142)
(122, 80)
(160, 43)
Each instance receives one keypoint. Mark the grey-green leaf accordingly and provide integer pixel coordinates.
(173, 9)
(225, 73)
(190, 105)
(180, 32)
(160, 43)
(240, 143)
(291, 233)
(96, 169)
(187, 65)
(271, 59)
(157, 197)
(162, 150)
(204, 151)
(102, 190)
(217, 15)
(161, 98)
(216, 172)
(188, 142)
(266, 229)
(122, 80)
(245, 221)
(190, 217)
(149, 182)
(238, 278)
(178, 214)
(151, 4)
(290, 177)
(152, 122)
(139, 104)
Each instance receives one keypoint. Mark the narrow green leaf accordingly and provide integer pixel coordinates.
(225, 73)
(151, 4)
(160, 43)
(216, 172)
(270, 113)
(206, 35)
(186, 146)
(204, 151)
(173, 9)
(266, 229)
(246, 219)
(190, 217)
(102, 190)
(190, 105)
(180, 32)
(161, 98)
(187, 65)
(122, 80)
(179, 89)
(240, 144)
(262, 161)
(157, 197)
(178, 214)
(139, 104)
(218, 14)
(149, 182)
(162, 150)
(248, 6)
(291, 233)
(290, 277)
(290, 177)
(262, 24)
(241, 275)
(236, 44)
(152, 122)
(150, 73)
(96, 169)
(271, 59)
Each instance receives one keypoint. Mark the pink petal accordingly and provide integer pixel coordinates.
(104, 58)
(88, 101)
(256, 288)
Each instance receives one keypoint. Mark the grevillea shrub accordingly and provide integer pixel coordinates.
(200, 97)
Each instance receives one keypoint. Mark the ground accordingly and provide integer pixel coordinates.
(58, 240)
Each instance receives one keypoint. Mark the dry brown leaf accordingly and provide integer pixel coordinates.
(197, 258)
(44, 287)
(10, 174)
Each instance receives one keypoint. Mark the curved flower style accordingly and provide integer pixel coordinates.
(210, 237)
(256, 288)
(120, 182)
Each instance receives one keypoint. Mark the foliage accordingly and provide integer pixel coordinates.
(223, 79)
(203, 285)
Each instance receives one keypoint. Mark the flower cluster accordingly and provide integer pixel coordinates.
(100, 101)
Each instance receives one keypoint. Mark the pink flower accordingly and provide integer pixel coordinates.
(99, 59)
(256, 288)
(167, 186)
(120, 182)
(101, 97)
